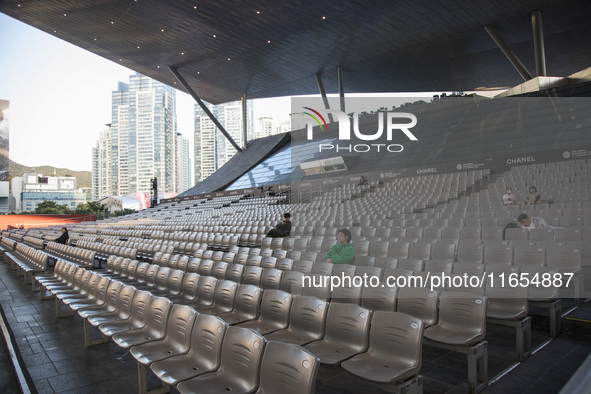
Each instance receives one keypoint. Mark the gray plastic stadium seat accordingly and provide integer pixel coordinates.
(284, 264)
(541, 234)
(188, 289)
(122, 309)
(154, 329)
(137, 317)
(498, 254)
(110, 303)
(303, 266)
(343, 269)
(223, 298)
(419, 302)
(235, 272)
(516, 234)
(443, 251)
(379, 248)
(287, 369)
(470, 252)
(247, 302)
(395, 347)
(462, 319)
(307, 318)
(420, 251)
(322, 268)
(347, 328)
(379, 298)
(177, 339)
(529, 255)
(219, 270)
(271, 278)
(292, 281)
(239, 369)
(410, 264)
(252, 275)
(275, 307)
(205, 292)
(205, 267)
(203, 356)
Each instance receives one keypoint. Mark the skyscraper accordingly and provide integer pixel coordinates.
(143, 132)
(212, 149)
(101, 166)
(183, 163)
(142, 141)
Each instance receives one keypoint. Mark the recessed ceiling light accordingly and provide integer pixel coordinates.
(198, 72)
(323, 17)
(214, 36)
(55, 31)
(158, 66)
(194, 7)
(18, 5)
(162, 30)
(268, 41)
(112, 22)
(65, 14)
(95, 39)
(138, 47)
(228, 59)
(258, 12)
(182, 53)
(119, 59)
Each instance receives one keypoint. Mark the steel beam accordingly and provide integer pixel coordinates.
(323, 94)
(244, 122)
(341, 87)
(492, 32)
(215, 121)
(536, 23)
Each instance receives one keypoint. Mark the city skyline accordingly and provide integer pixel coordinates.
(60, 98)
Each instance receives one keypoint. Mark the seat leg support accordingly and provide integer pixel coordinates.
(478, 367)
(143, 384)
(87, 336)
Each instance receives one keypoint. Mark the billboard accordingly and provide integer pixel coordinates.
(4, 162)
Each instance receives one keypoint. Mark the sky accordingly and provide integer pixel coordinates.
(60, 98)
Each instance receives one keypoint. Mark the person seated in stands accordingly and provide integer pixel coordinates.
(534, 197)
(64, 237)
(343, 252)
(282, 229)
(362, 181)
(532, 222)
(509, 198)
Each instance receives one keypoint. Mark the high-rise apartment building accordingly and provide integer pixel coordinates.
(183, 163)
(101, 166)
(212, 149)
(141, 143)
(143, 132)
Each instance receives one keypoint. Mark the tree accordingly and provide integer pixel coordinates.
(52, 208)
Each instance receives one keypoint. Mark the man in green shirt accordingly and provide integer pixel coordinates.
(343, 252)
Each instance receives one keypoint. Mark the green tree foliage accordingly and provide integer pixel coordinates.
(51, 208)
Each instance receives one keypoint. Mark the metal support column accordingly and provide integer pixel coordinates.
(536, 23)
(323, 94)
(244, 122)
(341, 87)
(204, 107)
(492, 32)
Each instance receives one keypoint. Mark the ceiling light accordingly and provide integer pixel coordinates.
(112, 22)
(162, 30)
(198, 72)
(194, 7)
(182, 53)
(268, 41)
(214, 36)
(258, 12)
(158, 66)
(228, 59)
(138, 47)
(65, 14)
(323, 17)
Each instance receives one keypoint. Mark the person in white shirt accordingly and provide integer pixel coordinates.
(509, 198)
(532, 222)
